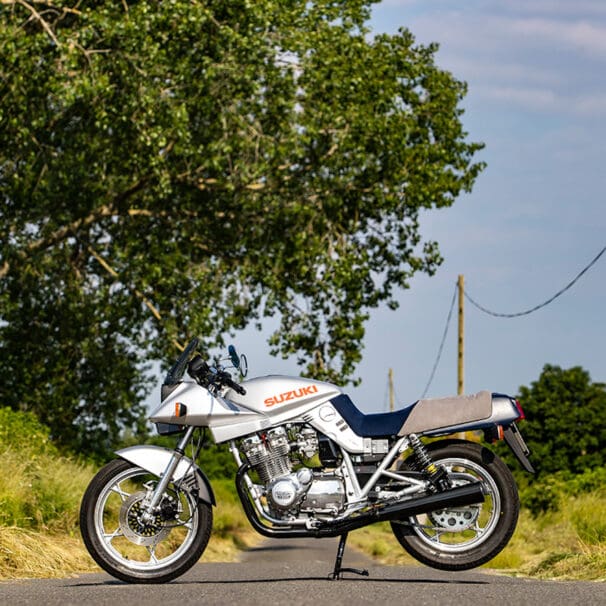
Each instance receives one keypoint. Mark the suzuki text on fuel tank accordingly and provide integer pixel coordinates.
(310, 464)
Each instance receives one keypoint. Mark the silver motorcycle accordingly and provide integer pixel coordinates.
(310, 464)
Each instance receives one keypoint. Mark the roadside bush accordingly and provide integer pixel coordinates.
(565, 426)
(549, 491)
(22, 431)
(541, 496)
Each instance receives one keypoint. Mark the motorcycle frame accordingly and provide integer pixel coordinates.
(205, 405)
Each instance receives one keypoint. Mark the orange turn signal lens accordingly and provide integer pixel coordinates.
(180, 409)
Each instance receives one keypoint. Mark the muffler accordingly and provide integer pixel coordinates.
(469, 494)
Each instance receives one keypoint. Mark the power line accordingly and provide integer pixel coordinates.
(502, 315)
(545, 303)
(435, 366)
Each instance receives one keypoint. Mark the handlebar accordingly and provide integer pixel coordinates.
(205, 376)
(226, 380)
(200, 371)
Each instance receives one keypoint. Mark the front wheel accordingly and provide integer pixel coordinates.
(129, 546)
(460, 538)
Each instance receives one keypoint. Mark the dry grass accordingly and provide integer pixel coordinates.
(569, 543)
(379, 542)
(31, 554)
(232, 532)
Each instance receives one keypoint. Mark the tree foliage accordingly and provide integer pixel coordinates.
(565, 425)
(171, 168)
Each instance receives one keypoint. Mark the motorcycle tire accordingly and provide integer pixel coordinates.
(134, 550)
(461, 538)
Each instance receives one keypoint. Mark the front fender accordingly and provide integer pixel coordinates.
(155, 460)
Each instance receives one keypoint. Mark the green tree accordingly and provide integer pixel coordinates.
(565, 425)
(179, 167)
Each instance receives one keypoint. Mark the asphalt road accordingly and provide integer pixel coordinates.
(295, 573)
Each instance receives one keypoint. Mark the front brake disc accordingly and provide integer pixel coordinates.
(137, 531)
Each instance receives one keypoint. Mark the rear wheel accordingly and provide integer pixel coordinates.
(126, 544)
(459, 538)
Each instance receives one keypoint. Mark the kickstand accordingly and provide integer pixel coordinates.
(337, 573)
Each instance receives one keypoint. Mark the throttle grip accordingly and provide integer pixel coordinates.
(225, 379)
(237, 388)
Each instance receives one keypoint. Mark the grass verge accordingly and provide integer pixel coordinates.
(566, 544)
(31, 554)
(55, 550)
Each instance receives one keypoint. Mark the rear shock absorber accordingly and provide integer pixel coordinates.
(436, 474)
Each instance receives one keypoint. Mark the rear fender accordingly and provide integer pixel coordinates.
(155, 459)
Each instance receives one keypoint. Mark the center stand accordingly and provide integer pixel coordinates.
(337, 572)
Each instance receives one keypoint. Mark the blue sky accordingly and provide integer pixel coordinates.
(536, 71)
(537, 99)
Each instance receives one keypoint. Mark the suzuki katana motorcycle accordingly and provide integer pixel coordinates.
(310, 465)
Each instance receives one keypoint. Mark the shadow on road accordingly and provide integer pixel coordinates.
(287, 579)
(272, 548)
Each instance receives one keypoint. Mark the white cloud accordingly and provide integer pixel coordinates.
(590, 104)
(489, 33)
(535, 98)
(577, 35)
(543, 99)
(552, 8)
(565, 8)
(487, 69)
(532, 60)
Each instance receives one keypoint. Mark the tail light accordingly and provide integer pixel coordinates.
(520, 410)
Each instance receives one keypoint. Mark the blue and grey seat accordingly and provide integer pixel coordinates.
(422, 416)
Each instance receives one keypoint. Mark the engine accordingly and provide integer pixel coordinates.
(286, 463)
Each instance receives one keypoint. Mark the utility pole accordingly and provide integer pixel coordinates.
(391, 397)
(461, 365)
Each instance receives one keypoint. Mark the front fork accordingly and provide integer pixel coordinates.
(165, 477)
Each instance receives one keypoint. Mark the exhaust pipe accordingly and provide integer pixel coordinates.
(469, 494)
